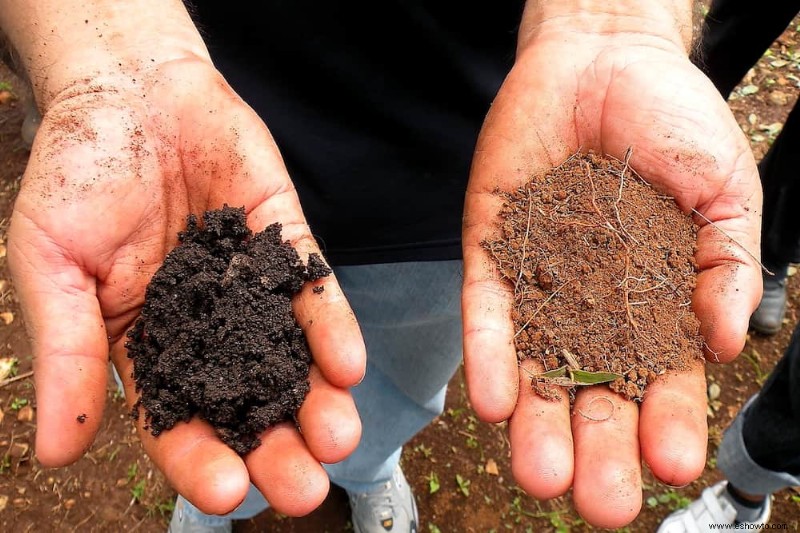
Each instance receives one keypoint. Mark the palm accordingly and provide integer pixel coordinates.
(684, 142)
(111, 180)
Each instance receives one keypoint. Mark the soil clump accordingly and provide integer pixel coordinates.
(603, 271)
(217, 338)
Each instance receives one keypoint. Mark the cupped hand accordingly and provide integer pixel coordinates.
(570, 92)
(114, 171)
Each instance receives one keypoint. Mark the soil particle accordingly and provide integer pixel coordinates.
(217, 337)
(603, 271)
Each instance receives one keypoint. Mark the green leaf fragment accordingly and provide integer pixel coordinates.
(568, 377)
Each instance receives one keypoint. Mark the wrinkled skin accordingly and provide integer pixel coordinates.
(686, 143)
(112, 176)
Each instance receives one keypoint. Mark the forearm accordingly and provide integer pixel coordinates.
(662, 22)
(67, 43)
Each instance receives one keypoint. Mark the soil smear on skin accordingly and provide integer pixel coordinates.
(217, 337)
(603, 270)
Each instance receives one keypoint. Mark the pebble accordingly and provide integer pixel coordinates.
(778, 98)
(714, 391)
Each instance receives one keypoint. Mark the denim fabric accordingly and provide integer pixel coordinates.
(410, 316)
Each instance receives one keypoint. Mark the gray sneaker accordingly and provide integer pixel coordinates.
(713, 508)
(768, 317)
(187, 519)
(390, 507)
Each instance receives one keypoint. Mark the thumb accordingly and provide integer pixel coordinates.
(70, 348)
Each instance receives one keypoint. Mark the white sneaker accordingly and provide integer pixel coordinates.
(389, 507)
(712, 508)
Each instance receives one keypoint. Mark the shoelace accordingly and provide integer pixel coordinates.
(380, 501)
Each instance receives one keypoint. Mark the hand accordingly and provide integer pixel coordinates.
(113, 174)
(572, 90)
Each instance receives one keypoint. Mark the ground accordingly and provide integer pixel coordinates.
(458, 466)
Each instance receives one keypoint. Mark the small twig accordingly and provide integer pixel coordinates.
(572, 362)
(525, 325)
(9, 381)
(524, 242)
(628, 154)
(748, 252)
(136, 526)
(79, 524)
(626, 294)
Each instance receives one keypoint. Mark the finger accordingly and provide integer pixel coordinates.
(490, 360)
(728, 290)
(250, 172)
(518, 140)
(608, 478)
(197, 464)
(329, 420)
(70, 349)
(330, 326)
(541, 440)
(286, 473)
(673, 428)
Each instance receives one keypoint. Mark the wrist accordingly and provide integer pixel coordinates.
(665, 23)
(69, 47)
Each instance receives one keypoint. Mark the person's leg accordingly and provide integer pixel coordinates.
(735, 34)
(780, 176)
(780, 230)
(767, 432)
(410, 317)
(759, 455)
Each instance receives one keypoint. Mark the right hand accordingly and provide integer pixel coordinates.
(114, 171)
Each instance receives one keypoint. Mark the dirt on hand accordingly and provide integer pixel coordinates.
(217, 337)
(603, 272)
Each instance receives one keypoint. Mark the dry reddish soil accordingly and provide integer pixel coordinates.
(458, 466)
(603, 272)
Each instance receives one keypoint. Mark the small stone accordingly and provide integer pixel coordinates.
(69, 504)
(7, 366)
(491, 467)
(3, 502)
(25, 414)
(791, 271)
(7, 317)
(778, 98)
(714, 391)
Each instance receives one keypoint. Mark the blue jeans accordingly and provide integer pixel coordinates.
(410, 316)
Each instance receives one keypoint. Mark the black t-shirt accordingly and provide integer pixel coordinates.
(375, 106)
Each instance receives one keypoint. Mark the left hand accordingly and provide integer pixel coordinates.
(572, 90)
